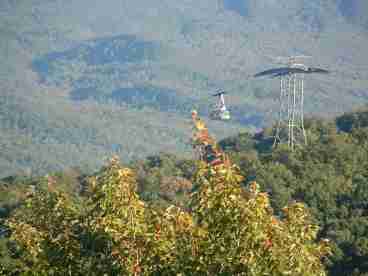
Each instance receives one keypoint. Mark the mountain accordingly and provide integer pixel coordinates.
(81, 80)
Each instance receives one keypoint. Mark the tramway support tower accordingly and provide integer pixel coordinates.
(289, 128)
(291, 112)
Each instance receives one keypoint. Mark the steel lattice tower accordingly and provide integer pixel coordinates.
(289, 128)
(290, 125)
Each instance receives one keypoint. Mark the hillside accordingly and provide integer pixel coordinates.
(329, 176)
(81, 79)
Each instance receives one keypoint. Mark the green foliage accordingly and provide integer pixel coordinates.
(227, 230)
(348, 121)
(242, 236)
(145, 63)
(329, 175)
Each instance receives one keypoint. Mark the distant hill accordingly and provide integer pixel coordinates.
(81, 79)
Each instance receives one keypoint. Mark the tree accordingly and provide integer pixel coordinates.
(228, 230)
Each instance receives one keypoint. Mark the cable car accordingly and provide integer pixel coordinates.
(220, 112)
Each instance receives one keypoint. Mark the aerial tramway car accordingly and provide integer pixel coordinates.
(220, 111)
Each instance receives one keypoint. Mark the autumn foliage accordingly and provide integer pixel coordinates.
(228, 229)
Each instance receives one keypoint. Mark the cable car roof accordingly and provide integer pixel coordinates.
(219, 93)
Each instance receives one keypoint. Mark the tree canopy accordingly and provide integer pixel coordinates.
(226, 229)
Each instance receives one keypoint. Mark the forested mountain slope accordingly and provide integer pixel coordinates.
(329, 176)
(81, 78)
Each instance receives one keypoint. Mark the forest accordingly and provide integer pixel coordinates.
(245, 208)
(82, 80)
